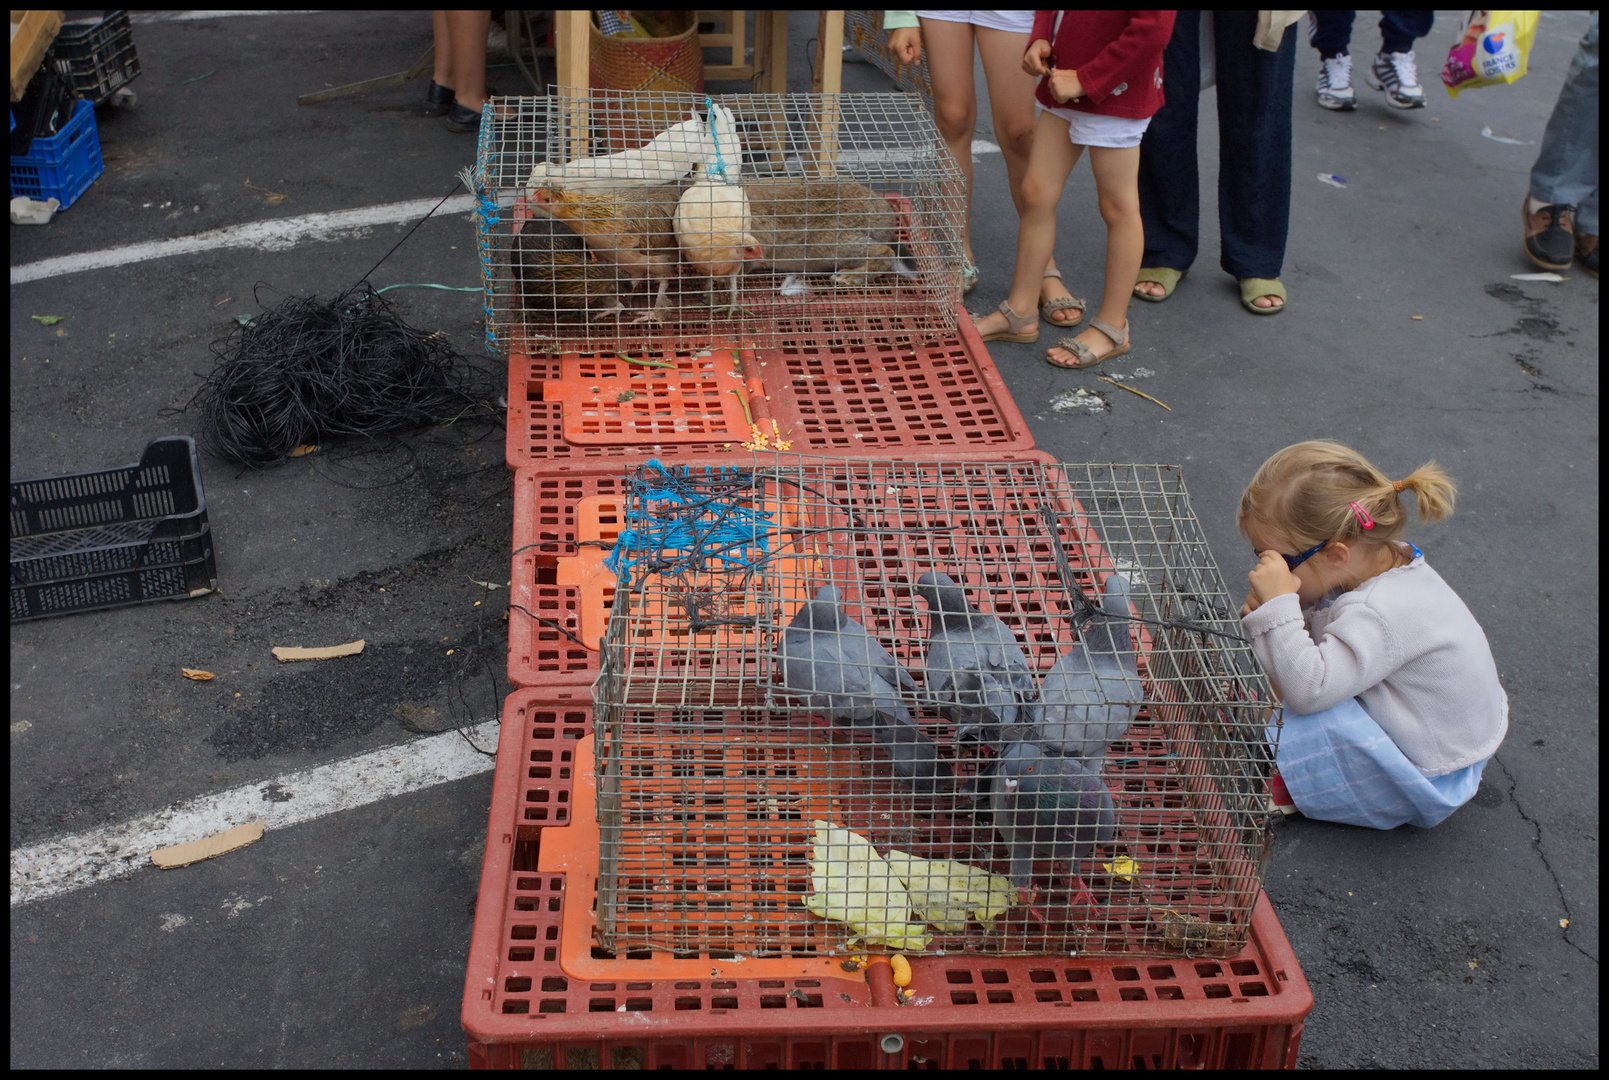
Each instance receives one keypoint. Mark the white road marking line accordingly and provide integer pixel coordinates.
(274, 235)
(141, 17)
(115, 851)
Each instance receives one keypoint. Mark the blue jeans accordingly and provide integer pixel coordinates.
(1254, 155)
(1331, 31)
(1566, 170)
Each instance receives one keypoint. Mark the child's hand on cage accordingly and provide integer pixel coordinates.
(1271, 578)
(906, 44)
(1064, 85)
(1034, 60)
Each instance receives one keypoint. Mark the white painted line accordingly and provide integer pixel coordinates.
(142, 17)
(274, 235)
(72, 862)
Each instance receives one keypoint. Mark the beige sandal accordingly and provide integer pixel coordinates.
(1015, 326)
(1047, 308)
(1086, 356)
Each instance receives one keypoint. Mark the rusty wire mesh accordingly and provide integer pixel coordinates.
(713, 772)
(602, 228)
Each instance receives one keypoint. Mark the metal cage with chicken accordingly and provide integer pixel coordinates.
(618, 221)
(996, 707)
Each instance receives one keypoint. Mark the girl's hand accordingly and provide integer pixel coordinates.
(1033, 61)
(906, 44)
(1271, 578)
(1064, 85)
(1250, 605)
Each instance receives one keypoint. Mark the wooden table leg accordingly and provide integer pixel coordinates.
(829, 83)
(573, 56)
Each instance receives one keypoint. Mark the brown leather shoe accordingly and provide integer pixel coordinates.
(1549, 235)
(1586, 253)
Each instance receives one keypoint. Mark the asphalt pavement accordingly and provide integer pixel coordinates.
(342, 941)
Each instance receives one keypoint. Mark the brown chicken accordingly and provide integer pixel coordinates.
(632, 228)
(835, 227)
(555, 277)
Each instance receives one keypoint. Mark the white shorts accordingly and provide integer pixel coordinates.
(1016, 22)
(1091, 129)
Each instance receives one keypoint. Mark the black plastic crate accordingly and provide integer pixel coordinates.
(47, 107)
(96, 59)
(118, 536)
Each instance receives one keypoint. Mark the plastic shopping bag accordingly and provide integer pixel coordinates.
(1492, 50)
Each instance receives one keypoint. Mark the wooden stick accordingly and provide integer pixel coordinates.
(1131, 390)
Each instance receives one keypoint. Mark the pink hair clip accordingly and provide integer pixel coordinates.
(1362, 515)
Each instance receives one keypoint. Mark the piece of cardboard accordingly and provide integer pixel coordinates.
(207, 847)
(31, 35)
(286, 653)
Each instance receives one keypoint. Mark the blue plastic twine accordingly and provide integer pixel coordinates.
(736, 535)
(719, 168)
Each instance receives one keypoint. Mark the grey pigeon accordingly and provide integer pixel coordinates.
(973, 664)
(1091, 694)
(1048, 807)
(848, 677)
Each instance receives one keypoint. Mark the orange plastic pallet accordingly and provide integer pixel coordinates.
(579, 406)
(536, 982)
(562, 519)
(891, 394)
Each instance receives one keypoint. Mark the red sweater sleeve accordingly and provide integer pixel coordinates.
(1147, 31)
(1044, 23)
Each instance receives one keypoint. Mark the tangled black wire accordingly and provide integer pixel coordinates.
(311, 370)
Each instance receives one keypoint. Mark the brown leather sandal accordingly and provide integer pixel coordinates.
(1015, 326)
(1047, 308)
(1086, 356)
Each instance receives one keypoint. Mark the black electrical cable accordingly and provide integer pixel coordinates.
(309, 370)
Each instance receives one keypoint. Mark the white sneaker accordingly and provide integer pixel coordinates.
(1335, 84)
(1396, 74)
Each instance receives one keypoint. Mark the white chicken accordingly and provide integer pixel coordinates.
(713, 218)
(663, 160)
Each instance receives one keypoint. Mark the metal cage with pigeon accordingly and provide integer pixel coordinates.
(617, 221)
(1001, 707)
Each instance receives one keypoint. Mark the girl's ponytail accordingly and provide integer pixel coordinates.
(1431, 489)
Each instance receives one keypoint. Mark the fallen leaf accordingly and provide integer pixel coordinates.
(198, 676)
(303, 450)
(46, 320)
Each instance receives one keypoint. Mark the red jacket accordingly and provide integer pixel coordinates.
(1117, 54)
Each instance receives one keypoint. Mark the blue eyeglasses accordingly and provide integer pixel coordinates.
(1293, 561)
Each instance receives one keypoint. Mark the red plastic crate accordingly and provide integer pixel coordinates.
(577, 407)
(561, 518)
(535, 981)
(891, 393)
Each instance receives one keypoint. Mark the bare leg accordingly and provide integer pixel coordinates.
(444, 50)
(1011, 104)
(1117, 187)
(467, 30)
(1050, 162)
(955, 99)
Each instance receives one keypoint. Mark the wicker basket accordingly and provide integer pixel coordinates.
(669, 64)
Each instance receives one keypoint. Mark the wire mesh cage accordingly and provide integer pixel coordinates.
(864, 30)
(613, 221)
(796, 760)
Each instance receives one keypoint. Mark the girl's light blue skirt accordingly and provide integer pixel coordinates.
(1340, 766)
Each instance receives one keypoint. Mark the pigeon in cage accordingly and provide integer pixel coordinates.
(974, 663)
(847, 676)
(1048, 808)
(835, 227)
(554, 274)
(1091, 694)
(630, 228)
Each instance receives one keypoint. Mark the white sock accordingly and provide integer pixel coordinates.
(1532, 204)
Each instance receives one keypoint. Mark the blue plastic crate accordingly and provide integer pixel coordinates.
(62, 166)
